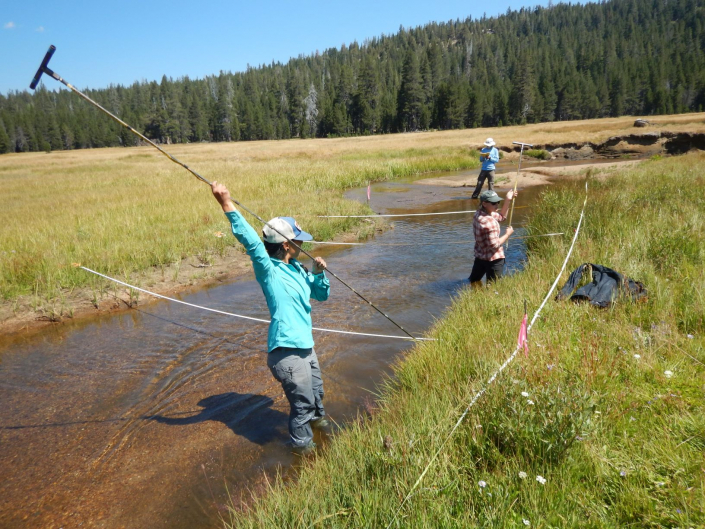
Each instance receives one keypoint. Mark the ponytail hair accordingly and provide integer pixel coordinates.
(275, 249)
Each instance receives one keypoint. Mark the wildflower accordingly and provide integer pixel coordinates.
(578, 438)
(632, 419)
(690, 336)
(522, 475)
(678, 511)
(478, 426)
(660, 483)
(598, 412)
(526, 522)
(524, 394)
(668, 373)
(219, 234)
(530, 402)
(482, 484)
(550, 366)
(623, 473)
(496, 292)
(541, 480)
(637, 356)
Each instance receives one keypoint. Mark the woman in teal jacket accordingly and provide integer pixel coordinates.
(288, 288)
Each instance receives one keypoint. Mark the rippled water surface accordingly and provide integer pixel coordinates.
(142, 419)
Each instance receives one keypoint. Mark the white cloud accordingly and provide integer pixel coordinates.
(9, 25)
(40, 29)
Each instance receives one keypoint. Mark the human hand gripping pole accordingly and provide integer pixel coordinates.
(44, 69)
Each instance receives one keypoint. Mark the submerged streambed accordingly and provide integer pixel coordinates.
(143, 419)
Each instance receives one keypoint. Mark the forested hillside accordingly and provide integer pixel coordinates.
(638, 57)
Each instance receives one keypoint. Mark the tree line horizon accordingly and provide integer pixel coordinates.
(558, 63)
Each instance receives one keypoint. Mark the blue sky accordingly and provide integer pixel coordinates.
(100, 43)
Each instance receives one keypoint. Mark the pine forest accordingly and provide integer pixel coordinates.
(561, 62)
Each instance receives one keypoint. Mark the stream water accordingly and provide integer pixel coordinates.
(143, 419)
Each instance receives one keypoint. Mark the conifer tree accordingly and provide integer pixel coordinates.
(4, 139)
(411, 97)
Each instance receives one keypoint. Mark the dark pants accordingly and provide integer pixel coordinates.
(493, 269)
(300, 376)
(489, 175)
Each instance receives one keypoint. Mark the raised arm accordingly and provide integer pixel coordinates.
(244, 233)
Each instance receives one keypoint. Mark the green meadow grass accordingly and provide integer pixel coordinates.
(608, 407)
(123, 211)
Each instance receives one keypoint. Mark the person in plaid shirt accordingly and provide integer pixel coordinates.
(489, 251)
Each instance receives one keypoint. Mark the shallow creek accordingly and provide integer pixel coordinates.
(142, 419)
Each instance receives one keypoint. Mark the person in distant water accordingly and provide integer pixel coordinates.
(288, 288)
(489, 156)
(489, 254)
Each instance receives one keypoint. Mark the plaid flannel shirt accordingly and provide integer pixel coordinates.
(486, 229)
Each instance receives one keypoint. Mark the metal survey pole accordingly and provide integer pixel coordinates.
(516, 180)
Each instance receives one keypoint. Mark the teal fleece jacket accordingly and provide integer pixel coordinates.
(288, 289)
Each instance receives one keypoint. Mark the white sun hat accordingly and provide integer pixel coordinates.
(489, 142)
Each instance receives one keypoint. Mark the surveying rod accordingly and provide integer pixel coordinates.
(516, 181)
(44, 69)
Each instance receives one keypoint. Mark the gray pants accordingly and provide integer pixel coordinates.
(300, 376)
(489, 175)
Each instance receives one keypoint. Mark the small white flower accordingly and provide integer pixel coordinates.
(632, 419)
(541, 480)
(482, 484)
(524, 394)
(598, 412)
(660, 483)
(623, 473)
(526, 522)
(522, 474)
(668, 373)
(530, 402)
(478, 426)
(690, 336)
(637, 356)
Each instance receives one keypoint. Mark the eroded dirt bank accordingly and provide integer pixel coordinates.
(646, 144)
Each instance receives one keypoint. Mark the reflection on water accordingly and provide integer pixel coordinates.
(142, 419)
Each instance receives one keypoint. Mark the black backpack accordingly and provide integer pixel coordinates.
(605, 288)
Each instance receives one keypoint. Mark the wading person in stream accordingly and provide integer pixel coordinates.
(489, 251)
(288, 288)
(489, 156)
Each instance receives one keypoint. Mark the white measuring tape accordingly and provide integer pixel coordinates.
(425, 243)
(248, 317)
(401, 214)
